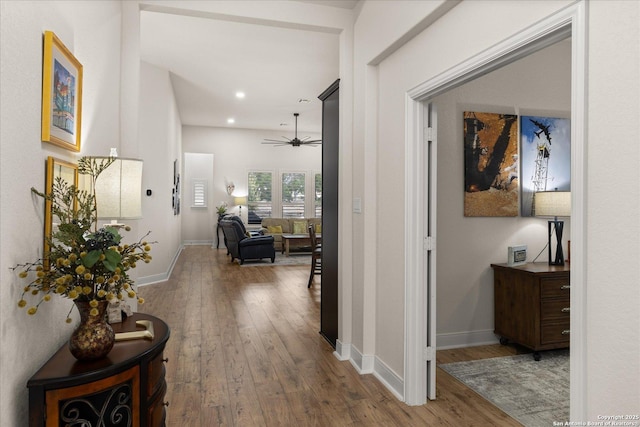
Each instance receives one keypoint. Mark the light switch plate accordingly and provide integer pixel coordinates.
(357, 205)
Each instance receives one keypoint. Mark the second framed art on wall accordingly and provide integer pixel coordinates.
(545, 144)
(61, 94)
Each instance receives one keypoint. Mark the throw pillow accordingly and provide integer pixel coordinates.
(274, 229)
(318, 228)
(300, 227)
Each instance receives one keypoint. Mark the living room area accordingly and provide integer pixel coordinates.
(290, 181)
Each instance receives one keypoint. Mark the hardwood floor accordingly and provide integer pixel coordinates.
(245, 351)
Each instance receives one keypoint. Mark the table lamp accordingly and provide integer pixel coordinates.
(118, 191)
(554, 204)
(239, 201)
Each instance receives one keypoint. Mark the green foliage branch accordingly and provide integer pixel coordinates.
(82, 264)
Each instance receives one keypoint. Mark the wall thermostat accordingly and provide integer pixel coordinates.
(517, 255)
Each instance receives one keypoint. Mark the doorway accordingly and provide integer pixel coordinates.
(570, 22)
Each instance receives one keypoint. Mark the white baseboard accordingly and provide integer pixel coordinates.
(198, 243)
(466, 339)
(363, 363)
(389, 379)
(162, 277)
(343, 351)
(366, 364)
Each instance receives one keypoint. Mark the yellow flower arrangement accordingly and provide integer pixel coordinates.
(82, 264)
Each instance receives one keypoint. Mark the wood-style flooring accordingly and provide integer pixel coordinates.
(245, 351)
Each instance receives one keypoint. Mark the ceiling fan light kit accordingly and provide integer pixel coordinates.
(295, 142)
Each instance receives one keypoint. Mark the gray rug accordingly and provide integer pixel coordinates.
(281, 259)
(534, 393)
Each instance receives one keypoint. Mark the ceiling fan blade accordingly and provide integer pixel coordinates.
(275, 140)
(319, 141)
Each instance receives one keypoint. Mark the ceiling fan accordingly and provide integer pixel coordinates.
(295, 142)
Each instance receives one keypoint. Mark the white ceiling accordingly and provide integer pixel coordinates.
(209, 60)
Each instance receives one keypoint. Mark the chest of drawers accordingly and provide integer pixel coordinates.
(532, 305)
(125, 388)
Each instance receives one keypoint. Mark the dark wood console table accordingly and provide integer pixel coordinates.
(125, 388)
(532, 305)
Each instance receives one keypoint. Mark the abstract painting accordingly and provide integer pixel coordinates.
(491, 164)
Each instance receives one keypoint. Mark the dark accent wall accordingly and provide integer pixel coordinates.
(330, 156)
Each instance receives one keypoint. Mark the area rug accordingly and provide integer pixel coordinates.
(281, 259)
(534, 393)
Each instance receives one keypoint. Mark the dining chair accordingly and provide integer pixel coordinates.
(316, 255)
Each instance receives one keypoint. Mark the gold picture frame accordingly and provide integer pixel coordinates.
(61, 94)
(67, 171)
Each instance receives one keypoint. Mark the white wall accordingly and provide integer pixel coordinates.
(539, 84)
(613, 210)
(236, 151)
(160, 144)
(28, 341)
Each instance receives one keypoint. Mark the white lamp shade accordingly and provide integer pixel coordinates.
(240, 200)
(552, 203)
(119, 190)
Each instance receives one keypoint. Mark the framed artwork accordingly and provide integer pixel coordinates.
(175, 191)
(491, 164)
(61, 95)
(545, 150)
(56, 169)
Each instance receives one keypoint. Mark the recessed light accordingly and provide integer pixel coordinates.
(240, 95)
(284, 124)
(303, 101)
(231, 120)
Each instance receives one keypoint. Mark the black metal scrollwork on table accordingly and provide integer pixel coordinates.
(111, 407)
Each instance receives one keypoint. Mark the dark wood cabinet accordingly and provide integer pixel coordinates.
(532, 305)
(330, 171)
(125, 388)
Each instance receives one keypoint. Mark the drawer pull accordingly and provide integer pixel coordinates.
(566, 309)
(165, 360)
(566, 332)
(165, 403)
(565, 287)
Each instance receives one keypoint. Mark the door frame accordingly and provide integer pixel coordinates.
(568, 22)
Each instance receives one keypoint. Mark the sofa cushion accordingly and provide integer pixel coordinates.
(282, 222)
(300, 227)
(274, 229)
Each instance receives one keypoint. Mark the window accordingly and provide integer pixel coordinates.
(293, 185)
(318, 195)
(260, 196)
(283, 195)
(199, 193)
